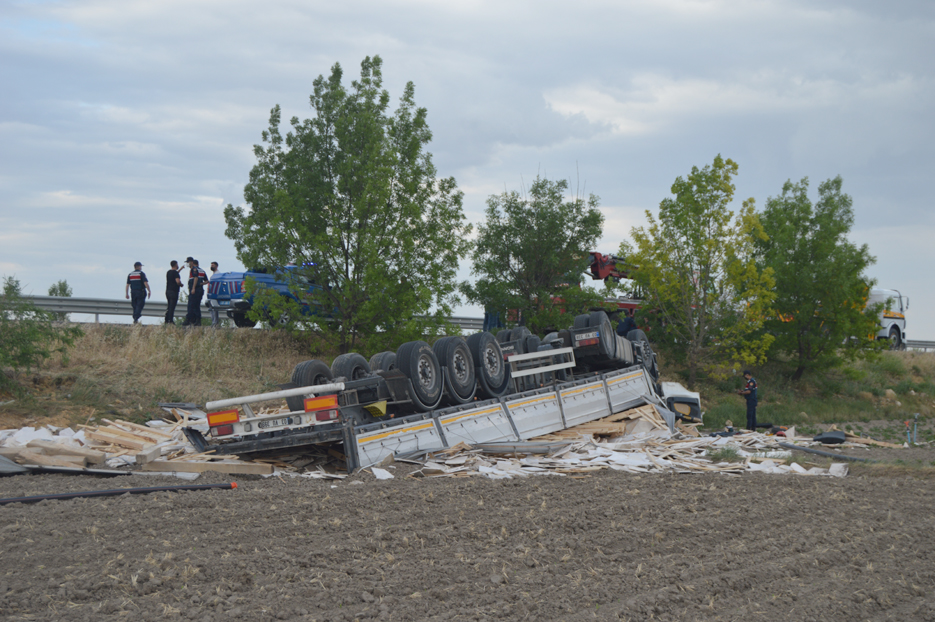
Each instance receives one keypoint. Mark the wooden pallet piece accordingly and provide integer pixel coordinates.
(60, 449)
(110, 439)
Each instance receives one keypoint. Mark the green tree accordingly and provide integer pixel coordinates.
(533, 249)
(28, 335)
(352, 197)
(62, 289)
(696, 267)
(821, 288)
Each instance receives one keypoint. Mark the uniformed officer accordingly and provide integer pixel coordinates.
(196, 290)
(749, 392)
(627, 324)
(138, 286)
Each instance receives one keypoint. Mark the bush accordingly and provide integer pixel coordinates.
(28, 336)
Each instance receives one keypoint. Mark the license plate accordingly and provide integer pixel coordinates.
(590, 335)
(272, 423)
(225, 303)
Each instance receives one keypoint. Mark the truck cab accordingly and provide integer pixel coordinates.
(893, 317)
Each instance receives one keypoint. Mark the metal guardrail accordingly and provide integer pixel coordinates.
(925, 346)
(155, 308)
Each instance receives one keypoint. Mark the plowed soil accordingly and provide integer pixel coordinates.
(607, 546)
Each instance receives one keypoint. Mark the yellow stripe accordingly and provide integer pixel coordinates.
(538, 400)
(893, 314)
(622, 378)
(389, 433)
(589, 387)
(453, 418)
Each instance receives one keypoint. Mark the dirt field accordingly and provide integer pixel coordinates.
(608, 546)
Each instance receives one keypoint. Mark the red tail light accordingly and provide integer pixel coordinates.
(222, 430)
(326, 415)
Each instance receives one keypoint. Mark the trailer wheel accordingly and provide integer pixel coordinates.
(531, 343)
(582, 321)
(383, 361)
(488, 359)
(550, 337)
(600, 321)
(649, 359)
(503, 336)
(417, 361)
(351, 366)
(308, 374)
(519, 334)
(242, 321)
(565, 336)
(454, 355)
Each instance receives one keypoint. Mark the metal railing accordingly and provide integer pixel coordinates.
(155, 308)
(925, 346)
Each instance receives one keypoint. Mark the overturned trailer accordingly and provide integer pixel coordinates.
(479, 389)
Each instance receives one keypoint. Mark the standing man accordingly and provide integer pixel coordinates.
(139, 286)
(196, 289)
(749, 392)
(215, 320)
(173, 286)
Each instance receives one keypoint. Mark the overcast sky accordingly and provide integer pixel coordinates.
(126, 127)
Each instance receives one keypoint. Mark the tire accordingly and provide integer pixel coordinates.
(896, 339)
(351, 366)
(550, 337)
(531, 343)
(242, 321)
(582, 321)
(454, 355)
(600, 321)
(488, 359)
(308, 374)
(565, 336)
(503, 336)
(383, 361)
(519, 334)
(417, 361)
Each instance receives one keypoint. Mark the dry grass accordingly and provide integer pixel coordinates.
(126, 370)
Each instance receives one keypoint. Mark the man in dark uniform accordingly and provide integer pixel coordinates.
(138, 285)
(196, 290)
(749, 392)
(627, 324)
(173, 286)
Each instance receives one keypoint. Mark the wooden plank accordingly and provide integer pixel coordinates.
(149, 454)
(114, 430)
(234, 468)
(26, 456)
(60, 449)
(140, 430)
(851, 438)
(115, 440)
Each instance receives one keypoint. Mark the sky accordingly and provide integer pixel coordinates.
(126, 127)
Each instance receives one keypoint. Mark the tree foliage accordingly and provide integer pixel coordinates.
(704, 293)
(352, 196)
(821, 288)
(532, 249)
(28, 335)
(63, 290)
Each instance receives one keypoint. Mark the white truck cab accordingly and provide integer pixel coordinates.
(893, 316)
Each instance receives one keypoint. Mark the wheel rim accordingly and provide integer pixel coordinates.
(460, 368)
(426, 372)
(492, 362)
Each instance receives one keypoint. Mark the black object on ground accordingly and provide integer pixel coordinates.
(835, 437)
(115, 493)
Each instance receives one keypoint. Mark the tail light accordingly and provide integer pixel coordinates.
(324, 407)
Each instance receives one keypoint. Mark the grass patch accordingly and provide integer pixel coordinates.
(725, 454)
